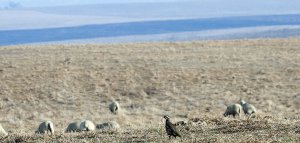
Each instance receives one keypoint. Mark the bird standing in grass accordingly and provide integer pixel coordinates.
(248, 109)
(171, 128)
(45, 127)
(114, 107)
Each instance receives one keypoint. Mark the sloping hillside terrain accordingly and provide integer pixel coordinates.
(190, 81)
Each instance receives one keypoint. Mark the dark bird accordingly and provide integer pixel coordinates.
(171, 128)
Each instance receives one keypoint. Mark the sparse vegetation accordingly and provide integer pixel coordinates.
(190, 81)
(216, 130)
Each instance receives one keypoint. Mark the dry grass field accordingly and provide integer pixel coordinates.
(189, 81)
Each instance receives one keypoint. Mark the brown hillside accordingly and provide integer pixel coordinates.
(185, 80)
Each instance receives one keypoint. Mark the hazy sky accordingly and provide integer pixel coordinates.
(37, 3)
(231, 5)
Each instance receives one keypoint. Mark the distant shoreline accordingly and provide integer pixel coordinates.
(114, 30)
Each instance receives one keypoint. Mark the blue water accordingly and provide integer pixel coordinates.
(13, 37)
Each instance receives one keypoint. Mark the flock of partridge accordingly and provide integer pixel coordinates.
(87, 125)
